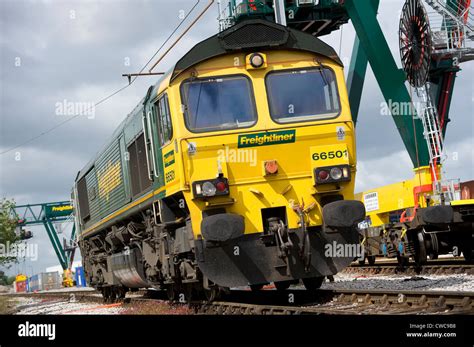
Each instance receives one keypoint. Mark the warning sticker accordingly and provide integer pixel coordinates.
(341, 134)
(192, 148)
(371, 201)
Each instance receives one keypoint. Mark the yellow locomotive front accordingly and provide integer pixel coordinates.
(265, 157)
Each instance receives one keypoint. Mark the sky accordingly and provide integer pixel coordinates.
(55, 52)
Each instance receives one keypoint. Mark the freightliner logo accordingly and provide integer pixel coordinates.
(267, 138)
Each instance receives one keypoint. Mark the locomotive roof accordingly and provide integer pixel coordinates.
(250, 35)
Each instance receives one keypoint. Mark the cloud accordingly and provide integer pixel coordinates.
(396, 167)
(34, 175)
(383, 170)
(460, 159)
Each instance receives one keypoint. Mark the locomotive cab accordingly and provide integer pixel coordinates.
(268, 151)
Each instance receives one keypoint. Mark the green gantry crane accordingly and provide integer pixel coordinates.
(321, 17)
(49, 215)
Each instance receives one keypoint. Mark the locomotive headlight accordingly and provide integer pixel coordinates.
(256, 61)
(212, 187)
(332, 174)
(198, 189)
(208, 189)
(336, 173)
(345, 171)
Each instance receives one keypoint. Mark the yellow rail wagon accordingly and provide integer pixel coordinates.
(408, 220)
(237, 168)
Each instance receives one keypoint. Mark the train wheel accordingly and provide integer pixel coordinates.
(420, 249)
(313, 283)
(171, 292)
(403, 261)
(212, 294)
(283, 285)
(105, 294)
(113, 295)
(432, 246)
(190, 292)
(371, 259)
(467, 253)
(121, 292)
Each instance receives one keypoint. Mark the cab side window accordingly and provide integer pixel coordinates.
(164, 120)
(140, 180)
(83, 199)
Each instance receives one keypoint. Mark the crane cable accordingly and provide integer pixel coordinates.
(340, 41)
(105, 98)
(182, 34)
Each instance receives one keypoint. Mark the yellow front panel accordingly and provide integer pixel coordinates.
(240, 154)
(251, 189)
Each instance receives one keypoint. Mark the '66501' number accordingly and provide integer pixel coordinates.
(330, 155)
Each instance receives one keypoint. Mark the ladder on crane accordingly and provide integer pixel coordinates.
(431, 127)
(434, 139)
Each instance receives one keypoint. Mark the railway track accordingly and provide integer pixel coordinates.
(439, 268)
(298, 302)
(358, 302)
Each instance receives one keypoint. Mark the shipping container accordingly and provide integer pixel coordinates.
(80, 277)
(45, 281)
(21, 286)
(34, 284)
(467, 190)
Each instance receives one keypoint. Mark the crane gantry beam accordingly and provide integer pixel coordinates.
(391, 79)
(49, 215)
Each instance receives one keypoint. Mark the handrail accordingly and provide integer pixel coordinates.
(150, 175)
(152, 143)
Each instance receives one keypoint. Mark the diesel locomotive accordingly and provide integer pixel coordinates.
(236, 169)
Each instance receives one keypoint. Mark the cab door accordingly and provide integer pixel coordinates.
(167, 149)
(150, 126)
